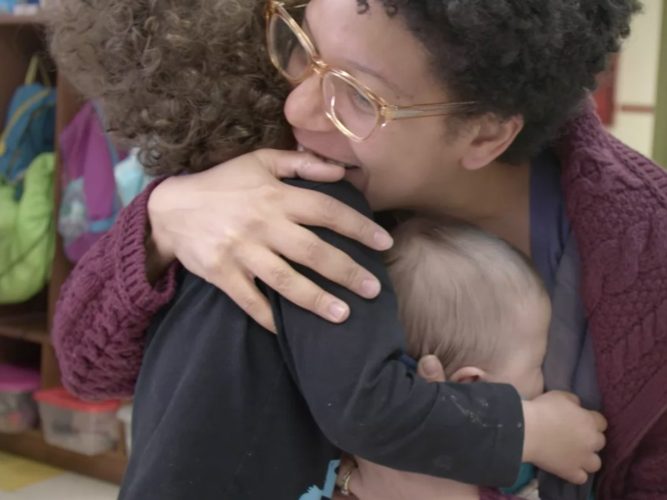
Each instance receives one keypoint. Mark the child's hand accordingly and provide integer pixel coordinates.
(563, 438)
(560, 436)
(237, 221)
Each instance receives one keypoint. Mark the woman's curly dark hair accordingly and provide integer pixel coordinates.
(188, 82)
(535, 58)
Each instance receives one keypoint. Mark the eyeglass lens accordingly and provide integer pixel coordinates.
(346, 102)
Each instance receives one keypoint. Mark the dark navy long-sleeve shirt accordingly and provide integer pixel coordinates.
(226, 410)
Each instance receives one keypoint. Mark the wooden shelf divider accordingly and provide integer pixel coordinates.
(108, 467)
(12, 20)
(30, 327)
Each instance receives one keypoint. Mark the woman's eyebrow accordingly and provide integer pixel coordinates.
(377, 75)
(355, 65)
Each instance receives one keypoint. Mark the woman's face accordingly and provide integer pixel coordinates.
(407, 163)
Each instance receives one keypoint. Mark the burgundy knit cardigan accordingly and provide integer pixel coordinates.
(617, 203)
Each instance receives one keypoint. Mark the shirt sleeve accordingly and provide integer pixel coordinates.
(368, 403)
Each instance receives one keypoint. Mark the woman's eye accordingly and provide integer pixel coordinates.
(360, 101)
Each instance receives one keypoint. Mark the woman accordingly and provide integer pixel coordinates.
(517, 93)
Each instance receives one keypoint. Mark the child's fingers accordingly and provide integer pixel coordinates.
(579, 477)
(601, 442)
(593, 465)
(572, 397)
(600, 421)
(430, 369)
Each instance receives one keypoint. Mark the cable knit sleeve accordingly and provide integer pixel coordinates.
(105, 308)
(647, 476)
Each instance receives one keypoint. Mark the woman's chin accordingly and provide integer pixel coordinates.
(357, 177)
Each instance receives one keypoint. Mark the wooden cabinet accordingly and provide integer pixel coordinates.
(24, 328)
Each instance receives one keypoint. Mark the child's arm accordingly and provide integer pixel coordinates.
(105, 308)
(368, 403)
(120, 284)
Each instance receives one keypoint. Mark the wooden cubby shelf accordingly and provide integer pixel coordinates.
(30, 327)
(108, 467)
(24, 328)
(8, 20)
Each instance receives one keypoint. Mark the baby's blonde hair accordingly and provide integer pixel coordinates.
(460, 291)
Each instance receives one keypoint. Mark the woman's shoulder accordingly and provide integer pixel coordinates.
(610, 189)
(616, 200)
(598, 167)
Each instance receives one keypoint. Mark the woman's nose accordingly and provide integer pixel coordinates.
(304, 108)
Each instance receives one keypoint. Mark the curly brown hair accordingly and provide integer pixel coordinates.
(534, 58)
(188, 83)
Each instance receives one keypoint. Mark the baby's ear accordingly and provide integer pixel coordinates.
(468, 374)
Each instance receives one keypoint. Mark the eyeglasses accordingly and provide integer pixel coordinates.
(352, 107)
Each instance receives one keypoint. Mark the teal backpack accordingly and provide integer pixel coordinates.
(30, 125)
(27, 234)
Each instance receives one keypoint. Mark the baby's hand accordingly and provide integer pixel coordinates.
(563, 438)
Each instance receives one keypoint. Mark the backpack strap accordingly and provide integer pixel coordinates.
(35, 66)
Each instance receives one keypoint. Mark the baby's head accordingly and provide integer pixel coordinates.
(473, 301)
(189, 82)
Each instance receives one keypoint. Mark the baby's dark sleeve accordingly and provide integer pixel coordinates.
(368, 403)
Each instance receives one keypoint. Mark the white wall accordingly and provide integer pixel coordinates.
(638, 79)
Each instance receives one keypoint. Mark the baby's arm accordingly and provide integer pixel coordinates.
(105, 308)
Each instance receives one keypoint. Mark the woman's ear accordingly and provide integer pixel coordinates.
(492, 137)
(468, 374)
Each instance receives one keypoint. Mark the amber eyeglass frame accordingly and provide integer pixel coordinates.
(384, 111)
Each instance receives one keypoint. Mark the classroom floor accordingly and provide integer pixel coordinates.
(22, 479)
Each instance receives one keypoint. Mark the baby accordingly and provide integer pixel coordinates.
(478, 305)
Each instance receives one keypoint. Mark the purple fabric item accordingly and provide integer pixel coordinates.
(85, 152)
(15, 379)
(616, 201)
